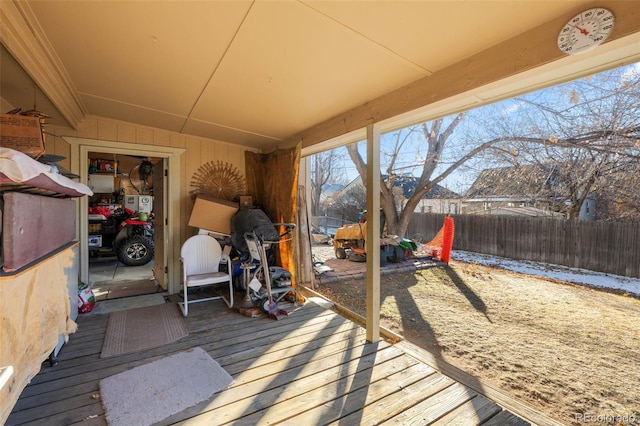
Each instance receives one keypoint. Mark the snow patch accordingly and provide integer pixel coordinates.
(558, 272)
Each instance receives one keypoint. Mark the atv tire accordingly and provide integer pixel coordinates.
(397, 254)
(341, 253)
(136, 250)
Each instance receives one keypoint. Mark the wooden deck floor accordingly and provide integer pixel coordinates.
(314, 367)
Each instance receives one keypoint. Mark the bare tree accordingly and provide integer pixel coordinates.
(349, 203)
(614, 203)
(436, 135)
(589, 129)
(593, 126)
(323, 171)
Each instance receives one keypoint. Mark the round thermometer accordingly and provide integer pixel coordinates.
(585, 31)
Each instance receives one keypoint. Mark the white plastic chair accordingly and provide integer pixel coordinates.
(201, 256)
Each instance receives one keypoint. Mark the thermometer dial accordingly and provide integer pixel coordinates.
(585, 31)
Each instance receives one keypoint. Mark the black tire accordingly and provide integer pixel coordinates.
(264, 305)
(357, 257)
(136, 251)
(341, 253)
(397, 254)
(383, 255)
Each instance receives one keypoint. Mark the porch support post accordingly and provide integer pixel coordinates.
(373, 234)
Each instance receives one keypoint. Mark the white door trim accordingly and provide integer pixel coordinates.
(80, 148)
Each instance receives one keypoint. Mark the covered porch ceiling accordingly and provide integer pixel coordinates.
(266, 74)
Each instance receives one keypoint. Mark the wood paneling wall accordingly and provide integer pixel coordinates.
(198, 151)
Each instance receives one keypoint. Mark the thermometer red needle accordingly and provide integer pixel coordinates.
(582, 30)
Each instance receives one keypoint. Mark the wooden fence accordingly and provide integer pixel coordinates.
(609, 247)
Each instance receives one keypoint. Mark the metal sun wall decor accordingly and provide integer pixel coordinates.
(219, 180)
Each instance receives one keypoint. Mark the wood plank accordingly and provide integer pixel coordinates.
(598, 246)
(225, 343)
(298, 392)
(506, 418)
(398, 402)
(361, 402)
(473, 412)
(41, 403)
(333, 344)
(434, 407)
(314, 367)
(91, 420)
(51, 390)
(61, 413)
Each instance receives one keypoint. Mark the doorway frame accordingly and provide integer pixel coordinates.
(80, 148)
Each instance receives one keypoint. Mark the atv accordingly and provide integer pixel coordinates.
(122, 234)
(350, 240)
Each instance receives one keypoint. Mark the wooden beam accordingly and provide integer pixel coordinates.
(387, 334)
(24, 40)
(373, 234)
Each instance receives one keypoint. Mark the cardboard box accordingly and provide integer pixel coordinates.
(102, 184)
(22, 133)
(213, 214)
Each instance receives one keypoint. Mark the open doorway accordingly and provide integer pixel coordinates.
(121, 221)
(167, 243)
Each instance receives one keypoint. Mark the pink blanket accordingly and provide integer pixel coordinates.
(17, 167)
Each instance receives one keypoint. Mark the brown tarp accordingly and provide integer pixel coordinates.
(272, 181)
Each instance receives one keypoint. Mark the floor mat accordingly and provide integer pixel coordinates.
(108, 306)
(152, 392)
(138, 329)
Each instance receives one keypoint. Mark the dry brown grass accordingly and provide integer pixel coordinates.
(565, 350)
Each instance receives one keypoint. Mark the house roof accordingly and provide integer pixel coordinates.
(520, 211)
(408, 185)
(511, 182)
(270, 73)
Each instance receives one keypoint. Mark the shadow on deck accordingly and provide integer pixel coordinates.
(312, 367)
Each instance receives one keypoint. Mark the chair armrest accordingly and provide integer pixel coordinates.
(226, 255)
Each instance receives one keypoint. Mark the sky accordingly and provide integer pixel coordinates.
(460, 180)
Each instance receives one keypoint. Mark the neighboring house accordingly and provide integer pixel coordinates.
(521, 211)
(588, 210)
(328, 193)
(524, 190)
(438, 200)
